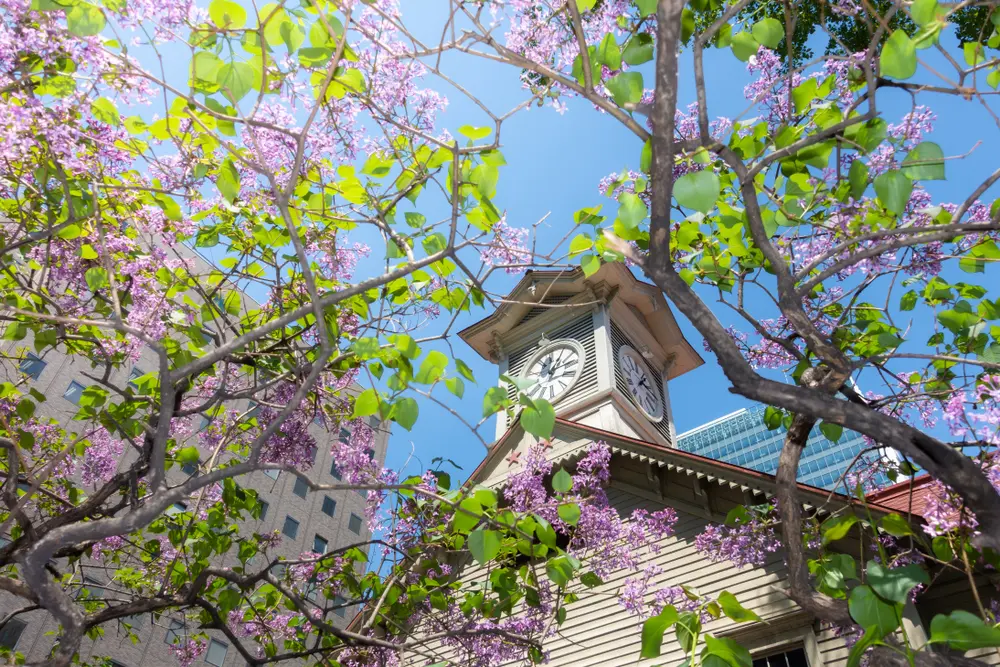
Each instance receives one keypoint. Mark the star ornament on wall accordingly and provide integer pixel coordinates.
(514, 457)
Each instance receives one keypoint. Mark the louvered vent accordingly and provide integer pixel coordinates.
(618, 339)
(582, 331)
(549, 300)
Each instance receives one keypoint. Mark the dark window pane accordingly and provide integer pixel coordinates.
(263, 509)
(32, 366)
(133, 376)
(334, 470)
(216, 654)
(175, 632)
(11, 632)
(73, 392)
(291, 527)
(329, 506)
(301, 488)
(354, 524)
(319, 544)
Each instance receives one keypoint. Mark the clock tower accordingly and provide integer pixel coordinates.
(600, 349)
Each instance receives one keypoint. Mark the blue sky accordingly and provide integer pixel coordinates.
(554, 165)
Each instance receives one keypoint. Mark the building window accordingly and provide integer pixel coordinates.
(291, 527)
(203, 423)
(175, 632)
(796, 657)
(136, 621)
(190, 468)
(253, 407)
(93, 588)
(216, 654)
(344, 435)
(11, 632)
(263, 509)
(355, 524)
(329, 505)
(32, 366)
(301, 488)
(340, 606)
(319, 544)
(273, 474)
(374, 421)
(176, 508)
(334, 470)
(133, 377)
(73, 392)
(114, 663)
(370, 452)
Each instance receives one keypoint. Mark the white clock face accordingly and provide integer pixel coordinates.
(640, 384)
(554, 370)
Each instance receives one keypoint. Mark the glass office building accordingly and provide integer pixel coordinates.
(742, 439)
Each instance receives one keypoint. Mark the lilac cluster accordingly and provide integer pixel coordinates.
(188, 650)
(749, 543)
(101, 457)
(508, 248)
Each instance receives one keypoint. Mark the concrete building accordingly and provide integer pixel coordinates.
(741, 438)
(308, 521)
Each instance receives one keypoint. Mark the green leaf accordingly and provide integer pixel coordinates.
(538, 418)
(895, 585)
(625, 88)
(464, 370)
(585, 5)
(870, 611)
(590, 264)
(188, 455)
(609, 53)
(632, 210)
(293, 35)
(560, 570)
(236, 80)
(893, 189)
(494, 400)
(484, 545)
(474, 133)
(97, 278)
(228, 181)
(85, 20)
(105, 111)
(925, 162)
(963, 631)
(732, 608)
(899, 56)
(908, 301)
(727, 650)
(924, 11)
(772, 417)
(590, 580)
(406, 345)
(562, 481)
(895, 525)
(639, 49)
(227, 14)
(432, 367)
(698, 190)
(837, 527)
(468, 515)
(653, 629)
(456, 386)
(687, 630)
(569, 513)
(831, 431)
(768, 32)
(405, 411)
(744, 46)
(365, 404)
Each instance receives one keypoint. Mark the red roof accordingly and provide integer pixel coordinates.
(909, 496)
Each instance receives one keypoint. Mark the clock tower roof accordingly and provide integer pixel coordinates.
(539, 290)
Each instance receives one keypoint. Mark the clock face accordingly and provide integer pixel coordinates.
(554, 370)
(640, 383)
